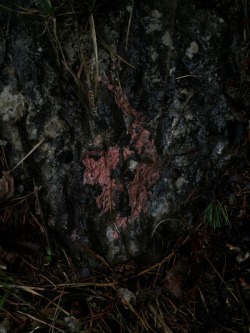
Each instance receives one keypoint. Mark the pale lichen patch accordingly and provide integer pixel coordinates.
(167, 40)
(156, 13)
(54, 127)
(153, 24)
(192, 50)
(12, 105)
(180, 182)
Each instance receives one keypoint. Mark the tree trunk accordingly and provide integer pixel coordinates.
(141, 105)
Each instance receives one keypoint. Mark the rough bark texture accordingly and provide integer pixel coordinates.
(130, 145)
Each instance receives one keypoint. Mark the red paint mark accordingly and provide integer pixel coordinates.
(100, 165)
(126, 152)
(122, 221)
(146, 176)
(115, 235)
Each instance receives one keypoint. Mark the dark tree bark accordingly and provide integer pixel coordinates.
(141, 105)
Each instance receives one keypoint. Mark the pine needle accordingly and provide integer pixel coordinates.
(129, 25)
(25, 157)
(94, 40)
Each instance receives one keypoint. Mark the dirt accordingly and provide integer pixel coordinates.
(199, 284)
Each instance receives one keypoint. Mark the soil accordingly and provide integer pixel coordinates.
(199, 284)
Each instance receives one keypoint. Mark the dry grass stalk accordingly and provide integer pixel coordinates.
(112, 52)
(160, 319)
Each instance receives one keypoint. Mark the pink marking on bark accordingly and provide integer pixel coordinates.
(115, 235)
(100, 164)
(122, 221)
(127, 152)
(98, 168)
(140, 137)
(146, 175)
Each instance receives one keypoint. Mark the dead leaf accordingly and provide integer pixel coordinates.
(6, 185)
(173, 282)
(5, 326)
(176, 275)
(6, 258)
